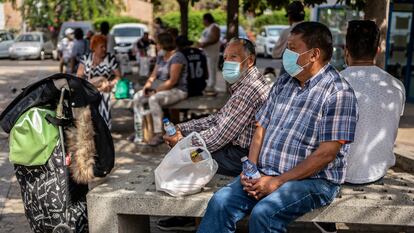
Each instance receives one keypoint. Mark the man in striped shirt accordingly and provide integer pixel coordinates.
(228, 133)
(300, 144)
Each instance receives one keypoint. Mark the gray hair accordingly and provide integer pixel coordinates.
(249, 47)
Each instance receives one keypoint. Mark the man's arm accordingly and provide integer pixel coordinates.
(256, 144)
(319, 159)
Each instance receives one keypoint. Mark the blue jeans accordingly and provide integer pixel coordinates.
(273, 213)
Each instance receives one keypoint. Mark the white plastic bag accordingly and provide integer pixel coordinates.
(178, 175)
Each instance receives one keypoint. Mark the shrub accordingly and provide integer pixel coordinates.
(114, 20)
(195, 19)
(276, 17)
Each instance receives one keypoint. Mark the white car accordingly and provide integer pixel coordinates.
(125, 35)
(6, 41)
(33, 45)
(267, 38)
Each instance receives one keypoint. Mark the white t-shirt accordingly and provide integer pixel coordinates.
(381, 99)
(214, 49)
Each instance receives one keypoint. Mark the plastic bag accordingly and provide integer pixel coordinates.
(178, 175)
(122, 89)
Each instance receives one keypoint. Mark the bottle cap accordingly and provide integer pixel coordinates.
(244, 158)
(165, 120)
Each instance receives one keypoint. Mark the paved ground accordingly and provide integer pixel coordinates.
(18, 74)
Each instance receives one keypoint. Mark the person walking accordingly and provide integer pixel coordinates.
(210, 43)
(104, 27)
(79, 49)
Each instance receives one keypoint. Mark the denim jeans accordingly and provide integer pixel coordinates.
(272, 213)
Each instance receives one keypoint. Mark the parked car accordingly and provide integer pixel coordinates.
(34, 45)
(84, 25)
(267, 38)
(125, 35)
(6, 41)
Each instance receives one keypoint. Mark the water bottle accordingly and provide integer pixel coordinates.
(169, 127)
(131, 90)
(249, 169)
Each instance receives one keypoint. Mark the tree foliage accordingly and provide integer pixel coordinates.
(259, 6)
(51, 13)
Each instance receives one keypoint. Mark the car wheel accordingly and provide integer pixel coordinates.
(42, 55)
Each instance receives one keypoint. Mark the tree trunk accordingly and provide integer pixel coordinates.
(377, 10)
(184, 16)
(232, 19)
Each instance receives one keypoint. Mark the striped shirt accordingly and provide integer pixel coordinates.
(298, 119)
(235, 122)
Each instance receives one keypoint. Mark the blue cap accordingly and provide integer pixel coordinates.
(165, 120)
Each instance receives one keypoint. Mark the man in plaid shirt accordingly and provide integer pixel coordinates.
(228, 133)
(300, 144)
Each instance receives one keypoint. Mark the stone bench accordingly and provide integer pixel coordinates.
(128, 197)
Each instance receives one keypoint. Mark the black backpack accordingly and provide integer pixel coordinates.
(197, 71)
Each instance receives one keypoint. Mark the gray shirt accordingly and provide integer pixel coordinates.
(164, 68)
(381, 99)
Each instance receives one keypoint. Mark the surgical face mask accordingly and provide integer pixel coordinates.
(161, 52)
(290, 64)
(231, 71)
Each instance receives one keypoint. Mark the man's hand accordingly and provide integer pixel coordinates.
(263, 186)
(172, 140)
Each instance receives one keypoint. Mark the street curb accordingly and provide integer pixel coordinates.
(404, 159)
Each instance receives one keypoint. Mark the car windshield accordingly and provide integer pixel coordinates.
(28, 38)
(128, 32)
(274, 32)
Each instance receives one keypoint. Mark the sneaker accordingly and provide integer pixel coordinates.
(326, 227)
(177, 224)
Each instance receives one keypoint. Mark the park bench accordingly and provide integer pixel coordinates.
(124, 202)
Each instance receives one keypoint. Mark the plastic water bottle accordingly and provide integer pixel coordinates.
(250, 169)
(131, 90)
(169, 127)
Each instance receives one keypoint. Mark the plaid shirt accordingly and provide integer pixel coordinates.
(298, 119)
(235, 122)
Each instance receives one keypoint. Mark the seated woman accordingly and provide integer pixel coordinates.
(166, 85)
(98, 67)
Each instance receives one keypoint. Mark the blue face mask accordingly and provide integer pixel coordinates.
(290, 60)
(231, 71)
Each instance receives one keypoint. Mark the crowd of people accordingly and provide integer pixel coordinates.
(312, 130)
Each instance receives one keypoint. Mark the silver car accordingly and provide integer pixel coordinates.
(6, 40)
(33, 45)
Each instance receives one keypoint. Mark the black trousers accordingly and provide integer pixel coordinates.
(228, 159)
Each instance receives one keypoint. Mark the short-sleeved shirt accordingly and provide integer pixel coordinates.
(104, 69)
(79, 49)
(164, 67)
(298, 119)
(381, 99)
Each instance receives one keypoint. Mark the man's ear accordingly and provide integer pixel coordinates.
(251, 60)
(378, 50)
(316, 54)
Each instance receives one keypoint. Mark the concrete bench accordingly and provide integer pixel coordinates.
(128, 197)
